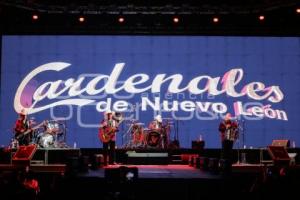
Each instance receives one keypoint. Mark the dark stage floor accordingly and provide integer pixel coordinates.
(158, 171)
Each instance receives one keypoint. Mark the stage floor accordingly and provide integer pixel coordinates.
(158, 172)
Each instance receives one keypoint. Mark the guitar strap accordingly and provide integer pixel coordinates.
(26, 124)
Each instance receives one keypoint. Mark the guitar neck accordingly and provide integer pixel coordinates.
(29, 131)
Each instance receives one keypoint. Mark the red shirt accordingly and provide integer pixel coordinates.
(21, 126)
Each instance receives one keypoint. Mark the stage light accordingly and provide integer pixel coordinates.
(81, 19)
(298, 10)
(35, 17)
(261, 17)
(215, 19)
(121, 19)
(175, 20)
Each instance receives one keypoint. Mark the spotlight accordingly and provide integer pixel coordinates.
(261, 17)
(81, 19)
(298, 10)
(121, 19)
(175, 20)
(35, 17)
(215, 19)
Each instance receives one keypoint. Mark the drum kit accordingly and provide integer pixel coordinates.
(49, 133)
(52, 135)
(139, 137)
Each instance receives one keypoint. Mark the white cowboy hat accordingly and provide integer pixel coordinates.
(158, 118)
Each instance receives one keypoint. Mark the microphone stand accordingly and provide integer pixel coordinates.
(241, 133)
(238, 151)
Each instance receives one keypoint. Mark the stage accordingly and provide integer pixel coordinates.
(74, 174)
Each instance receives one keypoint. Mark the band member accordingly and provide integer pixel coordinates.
(107, 134)
(228, 130)
(46, 138)
(156, 124)
(22, 129)
(137, 132)
(158, 136)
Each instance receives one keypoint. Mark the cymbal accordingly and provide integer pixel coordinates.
(170, 123)
(139, 123)
(132, 120)
(59, 119)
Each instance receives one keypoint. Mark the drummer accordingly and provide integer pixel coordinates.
(49, 128)
(138, 134)
(46, 138)
(156, 124)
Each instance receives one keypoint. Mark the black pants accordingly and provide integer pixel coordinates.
(226, 157)
(227, 153)
(109, 152)
(24, 140)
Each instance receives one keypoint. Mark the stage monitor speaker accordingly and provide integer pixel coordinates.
(283, 143)
(24, 154)
(279, 155)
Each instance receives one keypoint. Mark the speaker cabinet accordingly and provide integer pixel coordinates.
(24, 154)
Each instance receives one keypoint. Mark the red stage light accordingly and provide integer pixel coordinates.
(121, 19)
(261, 17)
(175, 19)
(215, 19)
(298, 10)
(81, 19)
(35, 17)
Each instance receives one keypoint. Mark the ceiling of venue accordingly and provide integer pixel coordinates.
(234, 17)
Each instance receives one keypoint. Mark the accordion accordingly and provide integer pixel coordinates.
(231, 134)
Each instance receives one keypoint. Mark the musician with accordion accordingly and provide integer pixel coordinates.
(229, 134)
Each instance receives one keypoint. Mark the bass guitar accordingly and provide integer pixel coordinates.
(28, 131)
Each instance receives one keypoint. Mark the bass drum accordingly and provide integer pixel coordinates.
(46, 140)
(153, 139)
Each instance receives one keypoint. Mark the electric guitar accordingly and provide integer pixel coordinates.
(107, 133)
(20, 135)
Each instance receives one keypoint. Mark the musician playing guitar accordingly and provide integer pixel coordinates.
(107, 134)
(22, 129)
